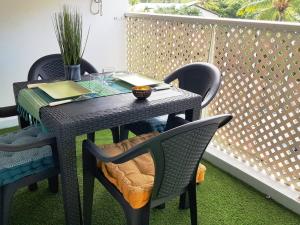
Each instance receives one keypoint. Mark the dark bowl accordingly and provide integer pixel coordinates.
(141, 92)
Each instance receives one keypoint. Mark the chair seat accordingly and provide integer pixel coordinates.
(135, 178)
(16, 165)
(150, 125)
(146, 126)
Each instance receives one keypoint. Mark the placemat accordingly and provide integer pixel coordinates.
(30, 101)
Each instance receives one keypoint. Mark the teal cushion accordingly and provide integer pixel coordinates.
(16, 165)
(13, 174)
(153, 124)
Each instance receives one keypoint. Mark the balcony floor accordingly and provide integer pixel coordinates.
(222, 199)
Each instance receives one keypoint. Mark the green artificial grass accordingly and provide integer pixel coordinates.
(222, 200)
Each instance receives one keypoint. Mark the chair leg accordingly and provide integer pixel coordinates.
(33, 187)
(6, 196)
(53, 184)
(138, 216)
(193, 203)
(184, 201)
(116, 134)
(91, 136)
(89, 165)
(123, 133)
(88, 195)
(1, 206)
(162, 206)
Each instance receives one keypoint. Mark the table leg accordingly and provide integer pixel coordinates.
(70, 188)
(191, 115)
(116, 134)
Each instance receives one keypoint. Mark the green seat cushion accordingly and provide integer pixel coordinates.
(150, 125)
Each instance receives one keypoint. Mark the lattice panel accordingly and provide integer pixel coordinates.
(260, 85)
(158, 47)
(261, 88)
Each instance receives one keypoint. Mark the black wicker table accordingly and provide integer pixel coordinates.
(67, 121)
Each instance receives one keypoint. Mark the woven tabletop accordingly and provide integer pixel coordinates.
(101, 113)
(70, 120)
(111, 111)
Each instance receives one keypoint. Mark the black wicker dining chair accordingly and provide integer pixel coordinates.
(27, 156)
(200, 78)
(51, 67)
(157, 168)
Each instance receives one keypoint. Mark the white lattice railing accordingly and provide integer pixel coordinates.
(260, 65)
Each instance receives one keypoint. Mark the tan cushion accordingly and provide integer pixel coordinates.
(135, 178)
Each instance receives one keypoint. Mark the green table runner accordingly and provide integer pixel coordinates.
(30, 101)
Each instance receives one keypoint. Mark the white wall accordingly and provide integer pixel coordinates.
(26, 33)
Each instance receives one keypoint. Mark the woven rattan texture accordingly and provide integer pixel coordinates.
(100, 113)
(181, 156)
(260, 65)
(120, 110)
(55, 69)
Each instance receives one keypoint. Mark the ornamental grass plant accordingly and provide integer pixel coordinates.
(68, 30)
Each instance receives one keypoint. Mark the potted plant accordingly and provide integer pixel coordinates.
(68, 30)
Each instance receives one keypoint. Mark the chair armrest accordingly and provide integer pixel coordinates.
(24, 147)
(99, 154)
(209, 96)
(171, 78)
(8, 111)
